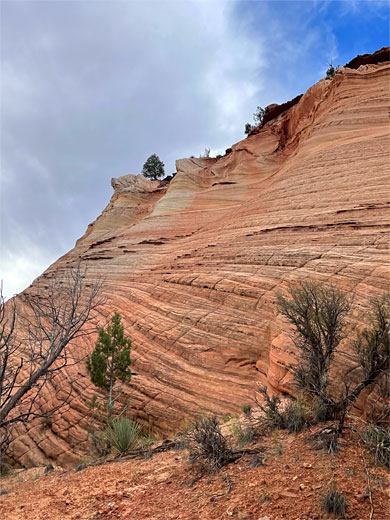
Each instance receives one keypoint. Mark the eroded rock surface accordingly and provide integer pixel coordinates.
(194, 267)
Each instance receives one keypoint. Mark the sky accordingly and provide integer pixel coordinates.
(90, 89)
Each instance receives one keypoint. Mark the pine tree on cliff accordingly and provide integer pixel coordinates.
(110, 359)
(153, 168)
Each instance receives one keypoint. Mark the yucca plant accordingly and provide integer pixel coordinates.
(124, 434)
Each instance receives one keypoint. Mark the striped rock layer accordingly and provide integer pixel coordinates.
(194, 266)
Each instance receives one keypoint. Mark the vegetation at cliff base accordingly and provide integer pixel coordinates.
(110, 360)
(318, 316)
(108, 363)
(52, 316)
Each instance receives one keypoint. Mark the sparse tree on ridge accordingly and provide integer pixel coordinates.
(248, 128)
(153, 168)
(258, 116)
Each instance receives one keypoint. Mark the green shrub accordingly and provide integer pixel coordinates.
(248, 128)
(294, 417)
(246, 408)
(124, 434)
(334, 503)
(330, 72)
(271, 408)
(226, 418)
(291, 418)
(377, 441)
(258, 116)
(243, 435)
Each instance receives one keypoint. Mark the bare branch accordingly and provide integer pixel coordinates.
(51, 316)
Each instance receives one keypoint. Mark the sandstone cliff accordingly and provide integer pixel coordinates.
(194, 266)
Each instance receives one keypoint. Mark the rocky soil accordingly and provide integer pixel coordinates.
(289, 485)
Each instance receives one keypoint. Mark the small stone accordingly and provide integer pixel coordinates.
(361, 496)
(67, 502)
(288, 494)
(302, 486)
(232, 512)
(295, 478)
(307, 465)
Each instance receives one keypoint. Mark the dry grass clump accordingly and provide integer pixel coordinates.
(334, 503)
(377, 441)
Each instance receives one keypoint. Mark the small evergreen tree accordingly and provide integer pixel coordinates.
(110, 359)
(248, 128)
(330, 72)
(259, 115)
(153, 168)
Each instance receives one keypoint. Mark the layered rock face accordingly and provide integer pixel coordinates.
(194, 267)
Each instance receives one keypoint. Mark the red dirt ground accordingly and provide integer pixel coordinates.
(288, 486)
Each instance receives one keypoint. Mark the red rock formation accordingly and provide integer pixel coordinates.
(365, 59)
(274, 110)
(194, 267)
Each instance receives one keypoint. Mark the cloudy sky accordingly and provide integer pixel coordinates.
(90, 89)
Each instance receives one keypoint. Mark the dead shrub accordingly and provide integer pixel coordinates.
(207, 446)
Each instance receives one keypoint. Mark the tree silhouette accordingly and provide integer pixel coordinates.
(153, 168)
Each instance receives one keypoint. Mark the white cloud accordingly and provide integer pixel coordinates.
(90, 89)
(19, 267)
